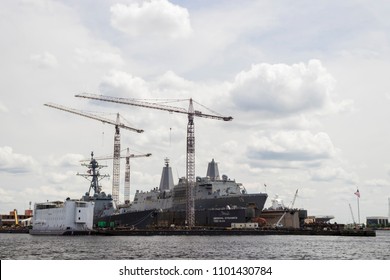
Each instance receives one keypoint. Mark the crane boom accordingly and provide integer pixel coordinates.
(16, 217)
(353, 218)
(151, 105)
(92, 116)
(278, 224)
(130, 156)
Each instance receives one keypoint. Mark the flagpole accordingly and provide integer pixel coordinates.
(358, 209)
(357, 193)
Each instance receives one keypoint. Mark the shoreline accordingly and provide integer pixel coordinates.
(224, 232)
(208, 232)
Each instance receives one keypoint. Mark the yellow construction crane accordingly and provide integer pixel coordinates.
(191, 113)
(127, 172)
(16, 217)
(117, 144)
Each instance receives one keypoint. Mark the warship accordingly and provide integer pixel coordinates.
(219, 201)
(104, 203)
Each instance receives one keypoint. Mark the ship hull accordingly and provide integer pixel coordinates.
(138, 219)
(60, 232)
(247, 200)
(205, 217)
(211, 212)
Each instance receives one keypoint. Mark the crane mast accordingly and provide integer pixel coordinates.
(116, 163)
(190, 209)
(117, 142)
(190, 165)
(127, 170)
(127, 178)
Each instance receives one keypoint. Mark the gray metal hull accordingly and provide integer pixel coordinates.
(60, 232)
(245, 200)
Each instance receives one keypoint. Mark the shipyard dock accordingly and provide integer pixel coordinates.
(208, 232)
(221, 232)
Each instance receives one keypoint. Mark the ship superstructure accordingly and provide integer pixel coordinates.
(104, 203)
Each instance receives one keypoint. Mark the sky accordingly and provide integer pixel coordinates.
(306, 83)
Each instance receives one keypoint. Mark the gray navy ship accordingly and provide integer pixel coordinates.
(219, 201)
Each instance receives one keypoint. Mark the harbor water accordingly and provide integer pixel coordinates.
(268, 247)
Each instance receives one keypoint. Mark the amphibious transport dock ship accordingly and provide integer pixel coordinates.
(219, 201)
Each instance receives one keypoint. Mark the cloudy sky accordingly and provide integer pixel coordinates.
(305, 81)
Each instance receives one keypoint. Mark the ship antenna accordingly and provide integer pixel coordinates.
(93, 171)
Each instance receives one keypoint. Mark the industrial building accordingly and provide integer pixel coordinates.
(13, 218)
(377, 221)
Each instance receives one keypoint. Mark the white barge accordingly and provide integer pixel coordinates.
(69, 217)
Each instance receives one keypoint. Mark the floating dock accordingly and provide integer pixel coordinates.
(210, 232)
(220, 232)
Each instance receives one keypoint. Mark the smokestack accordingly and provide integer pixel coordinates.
(212, 170)
(166, 182)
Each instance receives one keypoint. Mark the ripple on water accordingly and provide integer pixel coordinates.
(24, 246)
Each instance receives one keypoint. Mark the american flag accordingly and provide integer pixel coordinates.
(357, 193)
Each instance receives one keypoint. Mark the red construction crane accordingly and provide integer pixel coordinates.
(191, 113)
(117, 143)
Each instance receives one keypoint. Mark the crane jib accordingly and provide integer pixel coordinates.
(134, 102)
(91, 116)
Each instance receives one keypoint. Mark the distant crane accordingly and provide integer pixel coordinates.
(278, 224)
(191, 113)
(353, 218)
(127, 172)
(117, 142)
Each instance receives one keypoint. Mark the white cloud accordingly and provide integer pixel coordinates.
(44, 60)
(281, 89)
(170, 80)
(5, 196)
(11, 162)
(68, 160)
(92, 56)
(151, 18)
(56, 178)
(119, 83)
(3, 108)
(377, 183)
(329, 173)
(284, 147)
